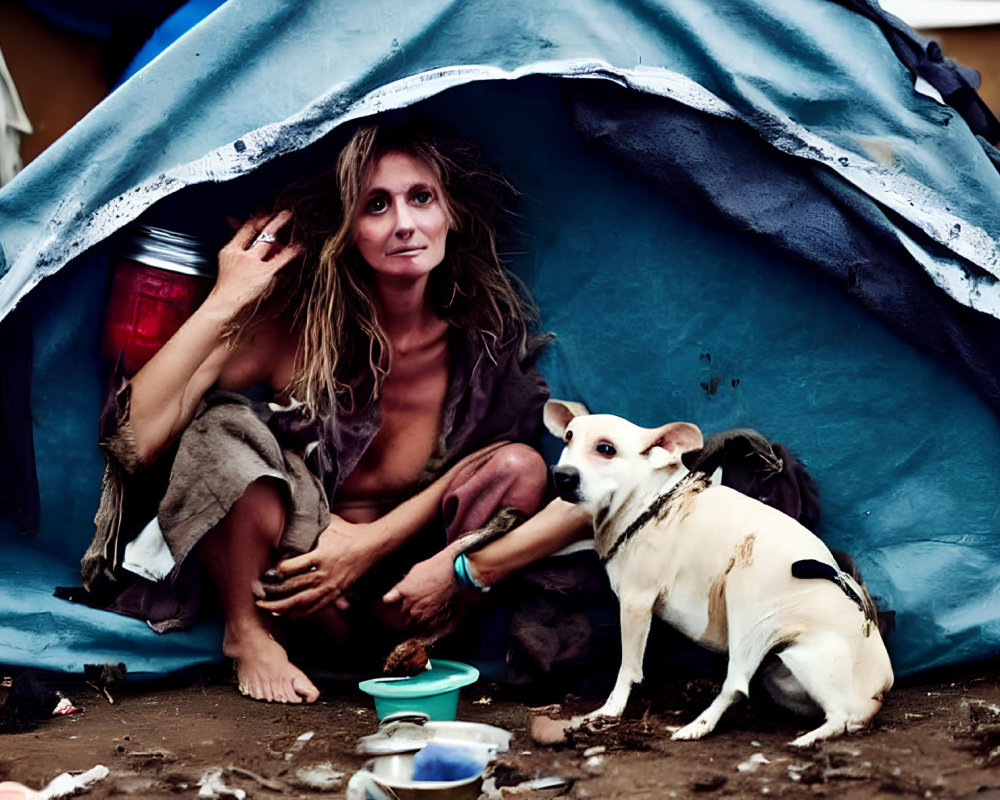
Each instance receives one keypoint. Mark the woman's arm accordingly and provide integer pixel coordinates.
(430, 584)
(554, 527)
(346, 550)
(166, 392)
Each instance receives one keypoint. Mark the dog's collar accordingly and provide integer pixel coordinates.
(653, 510)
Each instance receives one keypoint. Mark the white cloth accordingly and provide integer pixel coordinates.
(13, 122)
(147, 555)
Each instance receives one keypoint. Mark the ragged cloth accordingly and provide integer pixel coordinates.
(492, 396)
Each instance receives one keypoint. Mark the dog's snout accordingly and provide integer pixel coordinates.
(567, 482)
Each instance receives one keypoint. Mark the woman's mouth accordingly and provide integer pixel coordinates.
(406, 251)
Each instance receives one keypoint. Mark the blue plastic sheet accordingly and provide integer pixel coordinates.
(734, 213)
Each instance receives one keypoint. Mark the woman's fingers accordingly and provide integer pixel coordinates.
(287, 578)
(297, 589)
(321, 603)
(249, 262)
(266, 237)
(392, 596)
(286, 588)
(295, 564)
(305, 604)
(300, 603)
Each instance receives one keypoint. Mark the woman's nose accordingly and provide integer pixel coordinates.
(404, 222)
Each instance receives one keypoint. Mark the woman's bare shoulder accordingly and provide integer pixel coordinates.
(263, 355)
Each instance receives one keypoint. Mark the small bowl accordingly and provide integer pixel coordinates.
(395, 773)
(433, 692)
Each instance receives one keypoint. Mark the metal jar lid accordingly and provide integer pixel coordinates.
(170, 250)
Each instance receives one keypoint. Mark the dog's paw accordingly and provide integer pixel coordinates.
(802, 743)
(596, 720)
(692, 732)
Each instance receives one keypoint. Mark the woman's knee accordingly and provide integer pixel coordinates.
(529, 474)
(521, 460)
(261, 509)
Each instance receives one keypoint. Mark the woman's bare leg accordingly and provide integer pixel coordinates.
(512, 476)
(236, 553)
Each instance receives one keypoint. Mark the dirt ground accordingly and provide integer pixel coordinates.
(936, 737)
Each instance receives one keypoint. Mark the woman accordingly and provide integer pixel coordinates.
(399, 367)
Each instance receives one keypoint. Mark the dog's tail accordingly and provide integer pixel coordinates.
(886, 619)
(848, 578)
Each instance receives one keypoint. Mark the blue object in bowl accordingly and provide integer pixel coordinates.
(433, 692)
(445, 761)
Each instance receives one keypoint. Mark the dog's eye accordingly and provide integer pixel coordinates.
(569, 436)
(605, 449)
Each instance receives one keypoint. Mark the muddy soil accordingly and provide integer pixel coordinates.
(937, 737)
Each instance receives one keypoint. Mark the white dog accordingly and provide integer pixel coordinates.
(728, 571)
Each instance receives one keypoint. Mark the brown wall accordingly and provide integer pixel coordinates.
(978, 48)
(59, 77)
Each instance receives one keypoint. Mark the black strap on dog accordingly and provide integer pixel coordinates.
(654, 510)
(811, 568)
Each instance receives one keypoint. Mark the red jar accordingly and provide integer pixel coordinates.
(160, 277)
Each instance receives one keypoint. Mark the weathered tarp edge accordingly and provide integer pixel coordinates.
(907, 197)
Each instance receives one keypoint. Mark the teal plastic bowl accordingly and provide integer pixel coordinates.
(433, 692)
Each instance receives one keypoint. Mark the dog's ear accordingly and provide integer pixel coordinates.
(558, 413)
(670, 441)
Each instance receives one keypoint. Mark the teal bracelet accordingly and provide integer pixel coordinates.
(465, 576)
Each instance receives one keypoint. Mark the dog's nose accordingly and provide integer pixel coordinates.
(567, 481)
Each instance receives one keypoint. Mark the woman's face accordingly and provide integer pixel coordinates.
(403, 224)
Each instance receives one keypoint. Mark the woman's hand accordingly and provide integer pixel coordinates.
(251, 259)
(426, 588)
(310, 582)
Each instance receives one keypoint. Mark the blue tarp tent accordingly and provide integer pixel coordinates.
(749, 212)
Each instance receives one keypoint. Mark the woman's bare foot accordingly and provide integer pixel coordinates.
(236, 552)
(264, 672)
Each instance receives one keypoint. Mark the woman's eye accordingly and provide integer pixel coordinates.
(376, 205)
(605, 449)
(423, 197)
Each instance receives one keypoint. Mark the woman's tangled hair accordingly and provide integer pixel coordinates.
(343, 342)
